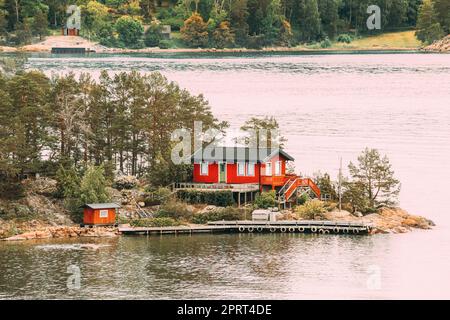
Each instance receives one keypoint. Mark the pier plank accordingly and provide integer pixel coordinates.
(299, 226)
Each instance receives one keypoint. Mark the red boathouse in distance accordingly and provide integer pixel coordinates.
(100, 214)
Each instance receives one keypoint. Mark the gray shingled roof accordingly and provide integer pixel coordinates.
(239, 154)
(101, 206)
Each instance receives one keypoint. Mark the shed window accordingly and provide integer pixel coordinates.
(103, 213)
(268, 168)
(241, 169)
(204, 166)
(250, 169)
(278, 168)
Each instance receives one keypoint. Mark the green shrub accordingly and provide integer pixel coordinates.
(11, 189)
(326, 43)
(69, 183)
(153, 35)
(312, 210)
(154, 222)
(175, 210)
(73, 205)
(222, 198)
(228, 213)
(105, 34)
(165, 44)
(255, 42)
(17, 211)
(157, 197)
(266, 200)
(302, 199)
(130, 32)
(344, 38)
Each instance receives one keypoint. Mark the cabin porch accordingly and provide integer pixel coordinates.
(243, 193)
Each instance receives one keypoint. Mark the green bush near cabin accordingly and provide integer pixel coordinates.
(175, 210)
(228, 213)
(312, 210)
(222, 198)
(156, 197)
(266, 200)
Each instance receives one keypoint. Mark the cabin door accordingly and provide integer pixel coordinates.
(222, 172)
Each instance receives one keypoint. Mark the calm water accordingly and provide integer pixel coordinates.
(329, 106)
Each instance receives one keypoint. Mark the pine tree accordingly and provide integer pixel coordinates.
(93, 186)
(40, 24)
(29, 93)
(428, 26)
(238, 12)
(442, 9)
(329, 16)
(374, 173)
(309, 20)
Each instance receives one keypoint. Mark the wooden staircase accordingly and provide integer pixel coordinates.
(294, 184)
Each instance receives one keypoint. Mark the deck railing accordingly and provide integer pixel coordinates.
(215, 186)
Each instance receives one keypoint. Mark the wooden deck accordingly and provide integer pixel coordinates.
(300, 226)
(242, 193)
(246, 187)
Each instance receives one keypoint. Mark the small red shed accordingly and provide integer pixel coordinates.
(100, 214)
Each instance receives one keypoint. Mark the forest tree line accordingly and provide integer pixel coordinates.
(221, 23)
(121, 122)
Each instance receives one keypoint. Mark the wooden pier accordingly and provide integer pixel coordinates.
(300, 226)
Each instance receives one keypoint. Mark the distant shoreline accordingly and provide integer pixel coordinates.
(232, 50)
(400, 42)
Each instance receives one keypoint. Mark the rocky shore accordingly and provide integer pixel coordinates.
(386, 220)
(441, 46)
(46, 232)
(40, 216)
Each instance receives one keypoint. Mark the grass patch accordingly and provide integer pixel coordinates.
(386, 41)
(403, 40)
(154, 222)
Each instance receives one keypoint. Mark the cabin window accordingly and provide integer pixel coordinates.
(241, 169)
(278, 168)
(103, 213)
(250, 169)
(204, 166)
(268, 168)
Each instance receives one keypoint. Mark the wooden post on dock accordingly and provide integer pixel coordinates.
(340, 185)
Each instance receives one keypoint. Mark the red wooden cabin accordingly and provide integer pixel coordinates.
(100, 214)
(264, 167)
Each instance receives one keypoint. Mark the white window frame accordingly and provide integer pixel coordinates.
(218, 170)
(202, 172)
(241, 165)
(278, 168)
(104, 213)
(268, 166)
(251, 165)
